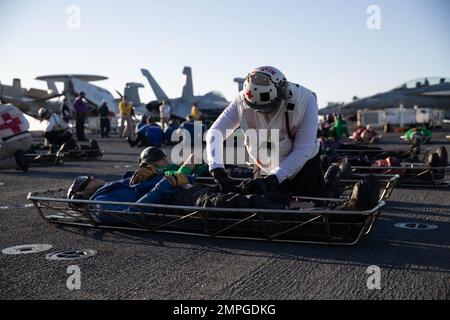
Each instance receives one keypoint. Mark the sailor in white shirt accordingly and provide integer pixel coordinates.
(164, 111)
(57, 132)
(269, 101)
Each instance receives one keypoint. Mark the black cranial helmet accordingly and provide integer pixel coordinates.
(150, 155)
(78, 185)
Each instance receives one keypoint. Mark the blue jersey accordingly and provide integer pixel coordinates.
(140, 125)
(168, 132)
(190, 127)
(120, 191)
(153, 133)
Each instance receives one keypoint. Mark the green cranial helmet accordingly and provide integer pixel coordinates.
(150, 155)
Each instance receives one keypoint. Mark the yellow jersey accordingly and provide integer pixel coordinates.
(195, 113)
(125, 108)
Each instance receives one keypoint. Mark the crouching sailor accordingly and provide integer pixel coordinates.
(270, 102)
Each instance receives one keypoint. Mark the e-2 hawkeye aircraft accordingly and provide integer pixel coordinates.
(31, 100)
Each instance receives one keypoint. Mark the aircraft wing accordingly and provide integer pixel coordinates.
(38, 94)
(48, 97)
(159, 93)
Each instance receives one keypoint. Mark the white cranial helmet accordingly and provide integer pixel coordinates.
(264, 89)
(44, 113)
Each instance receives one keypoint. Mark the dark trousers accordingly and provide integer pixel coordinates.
(309, 182)
(205, 196)
(105, 127)
(81, 119)
(60, 137)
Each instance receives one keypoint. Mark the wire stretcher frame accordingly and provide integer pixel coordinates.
(45, 159)
(61, 157)
(312, 226)
(438, 174)
(413, 172)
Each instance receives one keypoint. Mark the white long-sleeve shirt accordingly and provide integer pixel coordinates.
(165, 110)
(303, 149)
(54, 123)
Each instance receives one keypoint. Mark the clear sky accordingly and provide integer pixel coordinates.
(324, 45)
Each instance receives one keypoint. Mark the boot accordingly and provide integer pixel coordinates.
(21, 160)
(432, 161)
(365, 195)
(332, 177)
(131, 142)
(94, 145)
(443, 156)
(346, 169)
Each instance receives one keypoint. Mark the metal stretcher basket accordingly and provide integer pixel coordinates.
(373, 154)
(82, 155)
(45, 158)
(316, 225)
(412, 174)
(388, 181)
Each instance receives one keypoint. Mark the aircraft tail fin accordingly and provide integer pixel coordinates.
(188, 89)
(159, 93)
(2, 99)
(16, 88)
(240, 82)
(52, 86)
(132, 93)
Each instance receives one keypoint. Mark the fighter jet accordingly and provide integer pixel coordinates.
(331, 108)
(433, 92)
(210, 104)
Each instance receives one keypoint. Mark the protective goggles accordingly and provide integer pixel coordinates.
(259, 79)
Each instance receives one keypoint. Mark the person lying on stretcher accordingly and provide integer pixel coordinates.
(156, 157)
(150, 186)
(436, 159)
(335, 149)
(365, 135)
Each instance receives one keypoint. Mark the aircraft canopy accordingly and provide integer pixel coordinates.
(423, 82)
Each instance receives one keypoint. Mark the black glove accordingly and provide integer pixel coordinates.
(259, 185)
(223, 180)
